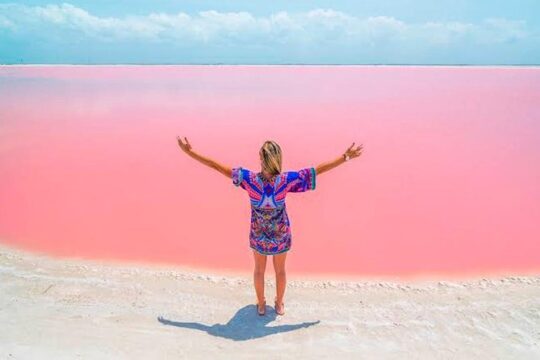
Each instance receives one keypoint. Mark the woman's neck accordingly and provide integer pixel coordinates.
(266, 175)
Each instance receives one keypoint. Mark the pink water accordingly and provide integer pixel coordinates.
(448, 181)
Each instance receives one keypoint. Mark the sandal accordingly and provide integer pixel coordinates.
(282, 312)
(264, 308)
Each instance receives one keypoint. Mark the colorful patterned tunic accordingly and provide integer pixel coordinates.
(270, 231)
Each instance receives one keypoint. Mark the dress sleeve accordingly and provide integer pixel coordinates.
(240, 176)
(301, 180)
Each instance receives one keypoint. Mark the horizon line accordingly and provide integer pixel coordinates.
(248, 64)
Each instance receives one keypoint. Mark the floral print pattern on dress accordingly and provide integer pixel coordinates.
(270, 230)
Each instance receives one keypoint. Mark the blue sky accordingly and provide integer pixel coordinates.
(276, 32)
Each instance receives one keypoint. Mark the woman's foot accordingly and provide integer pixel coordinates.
(279, 307)
(261, 308)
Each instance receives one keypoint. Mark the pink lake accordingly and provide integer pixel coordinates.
(448, 182)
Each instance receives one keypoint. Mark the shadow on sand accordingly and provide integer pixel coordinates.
(244, 325)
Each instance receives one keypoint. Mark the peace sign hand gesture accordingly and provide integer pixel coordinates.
(186, 147)
(352, 153)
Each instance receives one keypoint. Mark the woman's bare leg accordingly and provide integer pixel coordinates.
(281, 280)
(258, 275)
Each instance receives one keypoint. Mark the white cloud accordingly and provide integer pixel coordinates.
(311, 27)
(503, 30)
(5, 23)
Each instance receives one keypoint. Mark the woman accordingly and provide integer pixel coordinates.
(270, 232)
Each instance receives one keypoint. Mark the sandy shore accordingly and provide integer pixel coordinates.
(79, 309)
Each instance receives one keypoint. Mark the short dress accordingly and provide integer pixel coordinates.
(270, 231)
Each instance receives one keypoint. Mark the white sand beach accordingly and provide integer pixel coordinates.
(53, 308)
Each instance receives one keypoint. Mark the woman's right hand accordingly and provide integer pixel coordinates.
(352, 153)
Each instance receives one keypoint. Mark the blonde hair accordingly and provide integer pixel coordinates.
(271, 157)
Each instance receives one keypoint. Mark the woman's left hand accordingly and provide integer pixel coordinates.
(186, 147)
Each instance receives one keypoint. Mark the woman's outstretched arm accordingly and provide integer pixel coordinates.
(351, 152)
(186, 147)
